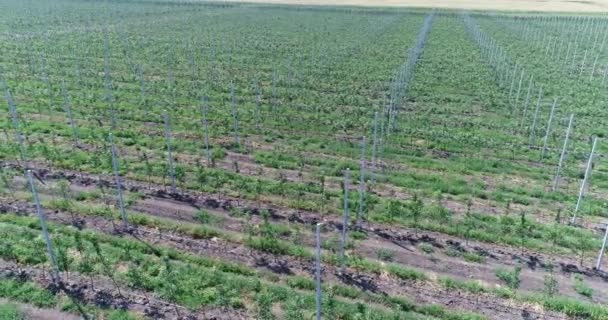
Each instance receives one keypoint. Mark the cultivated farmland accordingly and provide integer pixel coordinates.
(200, 160)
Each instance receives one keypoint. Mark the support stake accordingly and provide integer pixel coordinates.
(121, 202)
(563, 154)
(169, 157)
(45, 233)
(344, 219)
(581, 191)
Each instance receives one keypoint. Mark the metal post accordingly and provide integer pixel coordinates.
(318, 270)
(142, 88)
(581, 191)
(45, 233)
(598, 265)
(45, 78)
(527, 101)
(593, 69)
(206, 126)
(234, 121)
(258, 102)
(361, 183)
(68, 110)
(567, 53)
(107, 80)
(169, 157)
(521, 78)
(512, 83)
(15, 122)
(274, 93)
(574, 58)
(121, 203)
(563, 154)
(344, 219)
(533, 129)
(374, 147)
(583, 64)
(542, 153)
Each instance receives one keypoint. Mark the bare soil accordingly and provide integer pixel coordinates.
(402, 241)
(286, 265)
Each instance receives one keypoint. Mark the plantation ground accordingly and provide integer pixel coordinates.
(236, 128)
(596, 6)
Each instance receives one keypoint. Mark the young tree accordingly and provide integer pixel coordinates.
(85, 265)
(550, 283)
(172, 288)
(554, 236)
(584, 244)
(264, 306)
(64, 261)
(107, 269)
(524, 229)
(416, 206)
(293, 310)
(395, 209)
(201, 176)
(180, 175)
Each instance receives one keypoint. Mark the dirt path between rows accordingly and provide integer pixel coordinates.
(34, 313)
(404, 251)
(402, 241)
(383, 284)
(245, 164)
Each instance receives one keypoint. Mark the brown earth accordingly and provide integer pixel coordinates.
(402, 242)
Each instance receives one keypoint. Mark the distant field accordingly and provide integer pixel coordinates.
(506, 5)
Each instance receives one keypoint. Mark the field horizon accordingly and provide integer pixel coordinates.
(552, 6)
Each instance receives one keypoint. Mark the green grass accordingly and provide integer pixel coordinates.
(579, 285)
(509, 277)
(10, 312)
